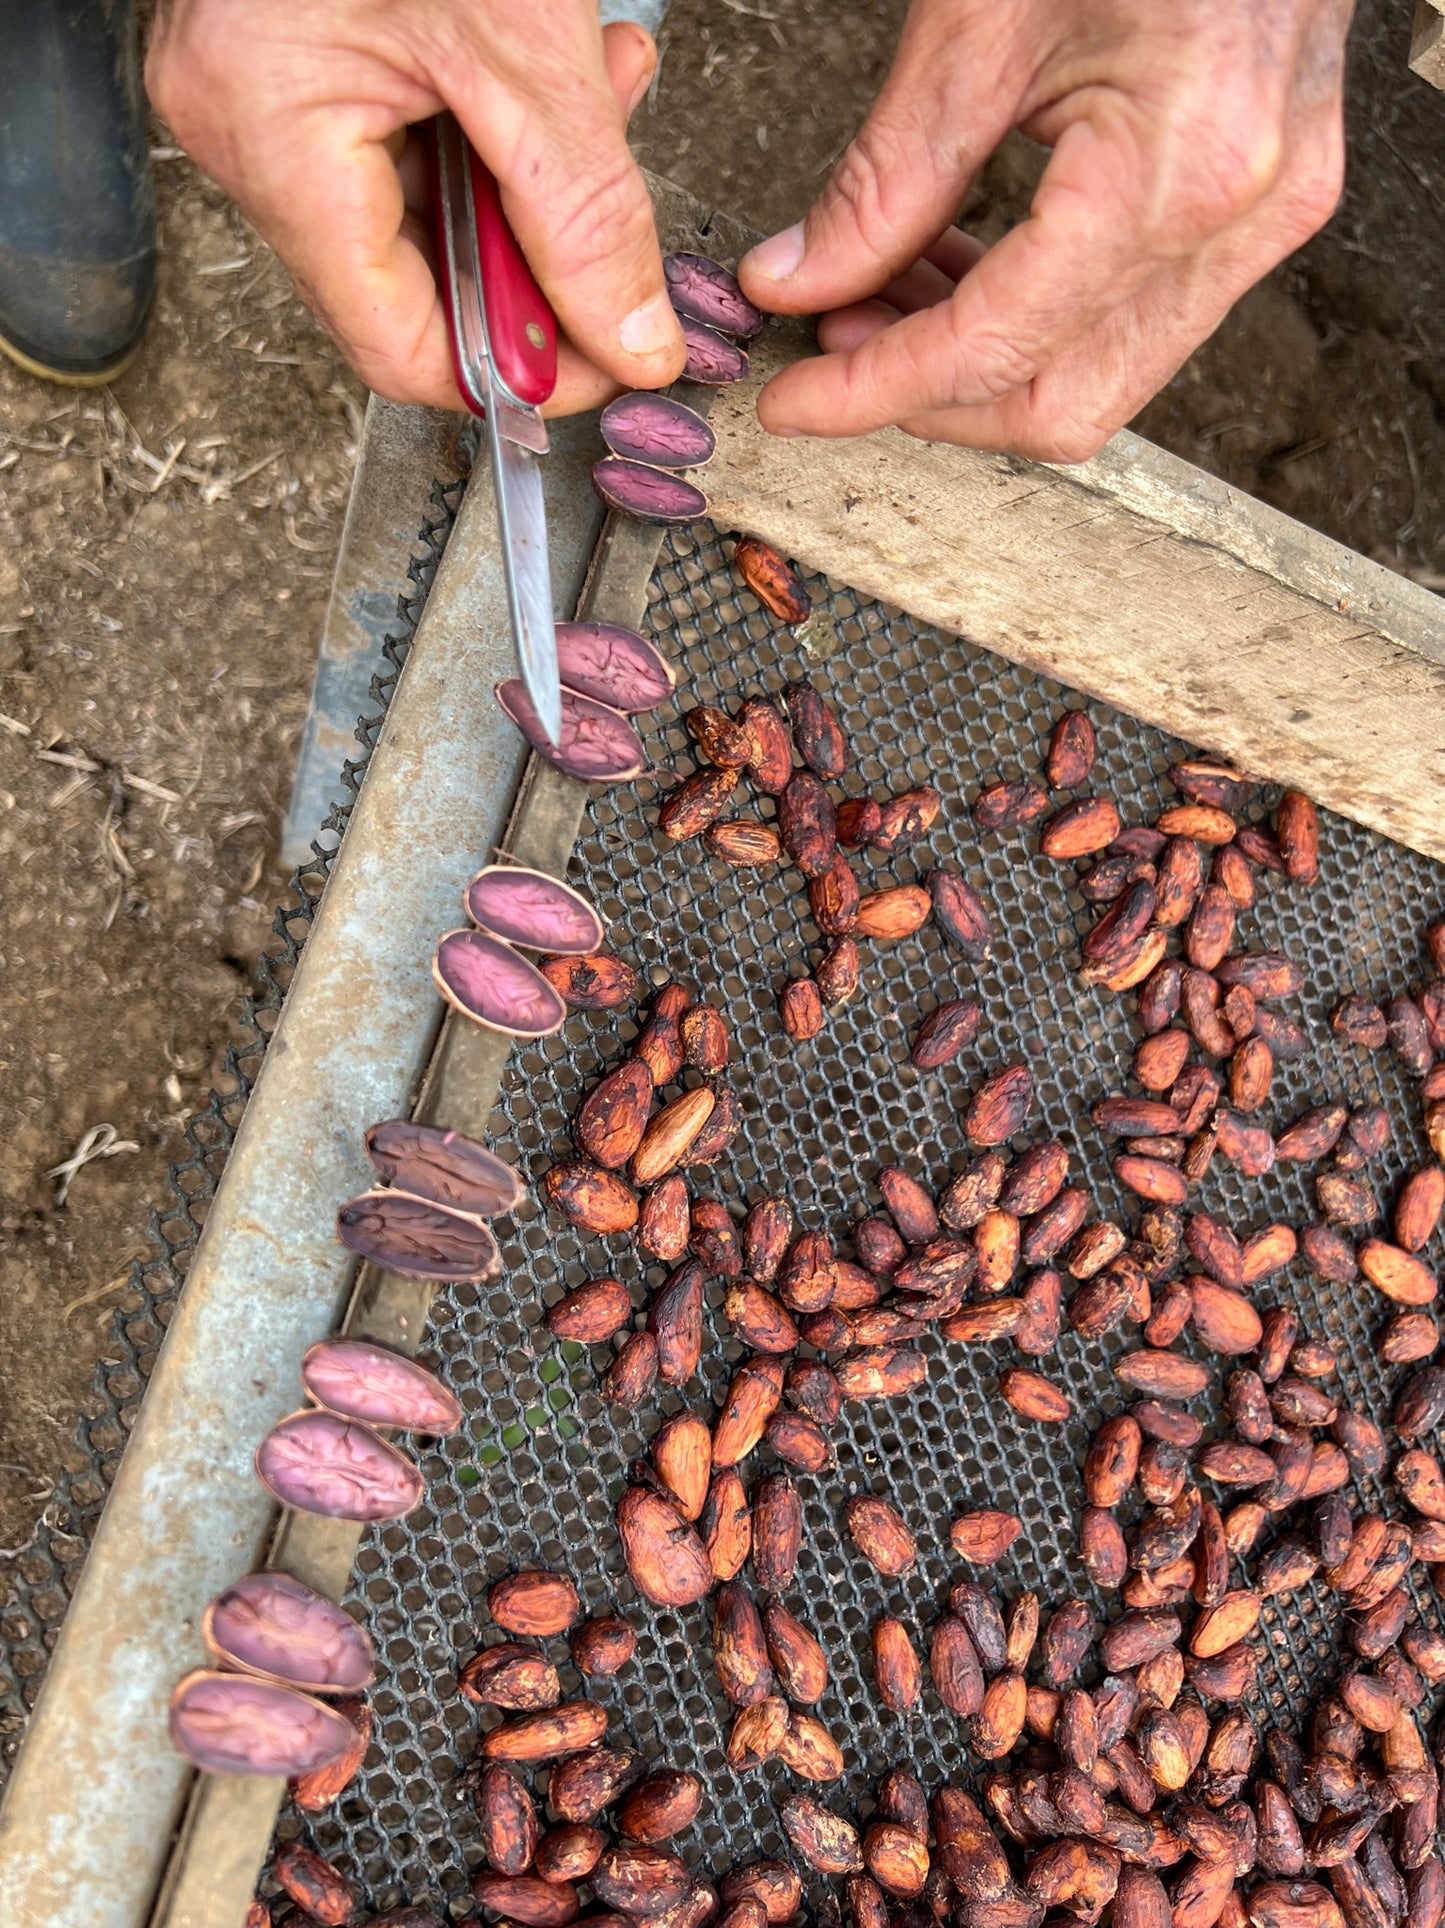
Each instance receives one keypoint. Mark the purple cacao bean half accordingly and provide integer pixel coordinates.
(276, 1629)
(362, 1381)
(647, 494)
(612, 665)
(707, 291)
(456, 1171)
(598, 744)
(494, 985)
(418, 1237)
(318, 1462)
(711, 358)
(231, 1724)
(654, 428)
(529, 907)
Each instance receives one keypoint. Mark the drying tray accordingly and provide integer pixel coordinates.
(533, 1477)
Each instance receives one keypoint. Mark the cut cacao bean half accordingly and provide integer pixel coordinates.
(275, 1628)
(648, 494)
(704, 290)
(711, 358)
(642, 427)
(317, 1462)
(613, 665)
(598, 743)
(528, 907)
(233, 1724)
(444, 1166)
(418, 1237)
(360, 1380)
(493, 985)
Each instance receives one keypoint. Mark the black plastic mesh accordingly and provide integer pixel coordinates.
(533, 1476)
(38, 1576)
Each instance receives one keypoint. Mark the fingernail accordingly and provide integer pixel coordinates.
(780, 256)
(650, 329)
(639, 92)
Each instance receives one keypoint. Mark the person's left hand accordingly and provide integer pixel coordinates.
(1195, 144)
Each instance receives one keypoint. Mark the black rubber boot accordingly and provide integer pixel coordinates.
(77, 209)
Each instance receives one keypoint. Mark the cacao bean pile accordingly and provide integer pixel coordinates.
(816, 832)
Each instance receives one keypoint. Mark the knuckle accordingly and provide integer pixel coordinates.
(1311, 189)
(1226, 172)
(858, 191)
(599, 214)
(994, 362)
(1066, 441)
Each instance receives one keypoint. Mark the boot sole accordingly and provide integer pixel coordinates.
(66, 377)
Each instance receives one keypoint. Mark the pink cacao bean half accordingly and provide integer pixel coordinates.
(318, 1462)
(364, 1381)
(271, 1626)
(598, 744)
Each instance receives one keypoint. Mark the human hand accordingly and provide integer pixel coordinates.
(1195, 144)
(300, 109)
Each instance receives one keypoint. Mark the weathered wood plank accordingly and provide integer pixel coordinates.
(1133, 577)
(1427, 43)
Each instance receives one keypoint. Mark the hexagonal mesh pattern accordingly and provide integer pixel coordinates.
(534, 1474)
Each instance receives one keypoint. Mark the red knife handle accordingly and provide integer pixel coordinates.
(521, 328)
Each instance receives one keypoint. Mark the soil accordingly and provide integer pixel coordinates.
(166, 546)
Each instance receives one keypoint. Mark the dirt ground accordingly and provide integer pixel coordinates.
(166, 545)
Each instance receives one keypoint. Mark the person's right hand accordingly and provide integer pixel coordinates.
(300, 109)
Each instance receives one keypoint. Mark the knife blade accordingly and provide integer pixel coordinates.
(504, 351)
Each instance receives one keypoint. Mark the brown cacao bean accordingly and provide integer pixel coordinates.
(893, 913)
(824, 1840)
(1032, 1396)
(739, 1647)
(1071, 751)
(770, 759)
(777, 1531)
(807, 821)
(553, 1733)
(896, 1668)
(590, 1313)
(948, 1029)
(880, 1534)
(881, 1372)
(509, 1825)
(954, 1666)
(744, 842)
(633, 1373)
(959, 912)
(816, 734)
(1080, 828)
(757, 1734)
(591, 1198)
(697, 801)
(1004, 806)
(603, 1646)
(534, 1603)
(859, 821)
(773, 1883)
(610, 1125)
(511, 1677)
(1205, 823)
(674, 1319)
(798, 1660)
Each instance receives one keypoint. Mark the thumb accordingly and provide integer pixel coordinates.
(629, 53)
(579, 206)
(943, 109)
